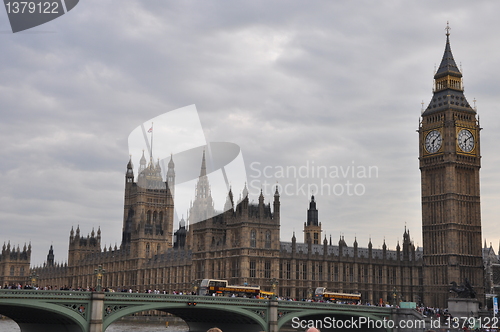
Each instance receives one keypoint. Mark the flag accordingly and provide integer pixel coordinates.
(150, 130)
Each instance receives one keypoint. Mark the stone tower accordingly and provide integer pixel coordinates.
(312, 228)
(14, 265)
(148, 209)
(449, 163)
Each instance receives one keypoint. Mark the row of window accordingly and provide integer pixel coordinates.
(334, 273)
(267, 270)
(253, 239)
(13, 271)
(154, 216)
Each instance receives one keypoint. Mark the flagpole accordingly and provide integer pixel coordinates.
(151, 153)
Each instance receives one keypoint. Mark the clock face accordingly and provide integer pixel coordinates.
(465, 140)
(433, 141)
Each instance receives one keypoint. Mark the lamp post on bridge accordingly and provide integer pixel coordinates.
(394, 295)
(309, 293)
(194, 286)
(99, 272)
(274, 283)
(33, 279)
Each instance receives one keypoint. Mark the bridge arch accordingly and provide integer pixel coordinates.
(38, 316)
(305, 316)
(199, 316)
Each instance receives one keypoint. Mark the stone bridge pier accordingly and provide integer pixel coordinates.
(96, 313)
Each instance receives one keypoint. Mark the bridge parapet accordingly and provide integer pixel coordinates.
(93, 312)
(183, 298)
(46, 294)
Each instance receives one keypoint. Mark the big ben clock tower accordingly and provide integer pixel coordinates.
(449, 163)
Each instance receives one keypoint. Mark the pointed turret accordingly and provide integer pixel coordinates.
(406, 245)
(312, 213)
(203, 171)
(342, 245)
(312, 229)
(448, 65)
(203, 205)
(370, 248)
(50, 256)
(276, 206)
(142, 163)
(261, 205)
(171, 176)
(448, 87)
(229, 205)
(171, 162)
(130, 171)
(245, 192)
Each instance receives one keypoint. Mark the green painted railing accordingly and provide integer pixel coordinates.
(149, 297)
(44, 294)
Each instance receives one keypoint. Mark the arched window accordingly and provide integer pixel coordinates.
(147, 249)
(148, 217)
(253, 238)
(268, 240)
(155, 216)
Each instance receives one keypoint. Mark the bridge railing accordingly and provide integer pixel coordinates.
(182, 298)
(56, 294)
(323, 305)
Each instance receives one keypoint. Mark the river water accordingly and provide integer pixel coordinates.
(7, 325)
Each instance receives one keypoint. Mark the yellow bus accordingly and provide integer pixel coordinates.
(321, 294)
(221, 288)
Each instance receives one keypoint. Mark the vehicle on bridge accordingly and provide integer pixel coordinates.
(321, 294)
(216, 287)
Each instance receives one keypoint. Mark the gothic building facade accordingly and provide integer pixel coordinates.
(14, 265)
(243, 243)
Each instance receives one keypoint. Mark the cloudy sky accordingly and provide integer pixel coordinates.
(295, 84)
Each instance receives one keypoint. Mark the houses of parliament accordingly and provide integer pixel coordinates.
(243, 243)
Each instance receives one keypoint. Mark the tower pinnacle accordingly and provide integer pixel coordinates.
(448, 85)
(203, 171)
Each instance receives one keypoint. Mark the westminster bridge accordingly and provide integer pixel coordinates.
(75, 311)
